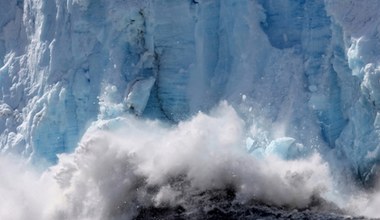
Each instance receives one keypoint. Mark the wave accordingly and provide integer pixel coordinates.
(127, 168)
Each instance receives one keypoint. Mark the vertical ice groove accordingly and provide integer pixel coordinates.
(358, 22)
(283, 27)
(305, 27)
(175, 47)
(207, 47)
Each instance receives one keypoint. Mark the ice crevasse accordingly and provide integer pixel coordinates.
(305, 72)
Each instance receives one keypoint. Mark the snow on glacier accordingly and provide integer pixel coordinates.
(303, 75)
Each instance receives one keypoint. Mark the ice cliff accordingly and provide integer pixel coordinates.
(304, 71)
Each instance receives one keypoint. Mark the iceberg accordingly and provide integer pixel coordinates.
(285, 148)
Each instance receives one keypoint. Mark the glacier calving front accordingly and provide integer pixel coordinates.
(305, 71)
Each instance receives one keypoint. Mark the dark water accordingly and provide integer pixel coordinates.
(220, 204)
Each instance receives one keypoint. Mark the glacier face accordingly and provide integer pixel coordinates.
(83, 76)
(305, 70)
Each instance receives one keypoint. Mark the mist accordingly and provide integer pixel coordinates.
(124, 164)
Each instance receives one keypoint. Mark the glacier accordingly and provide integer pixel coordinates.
(302, 75)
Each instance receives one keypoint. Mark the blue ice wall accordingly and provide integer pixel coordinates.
(301, 69)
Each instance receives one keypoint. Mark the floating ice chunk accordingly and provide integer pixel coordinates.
(259, 153)
(139, 94)
(253, 149)
(280, 146)
(285, 148)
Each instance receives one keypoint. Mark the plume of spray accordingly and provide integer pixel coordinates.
(125, 164)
